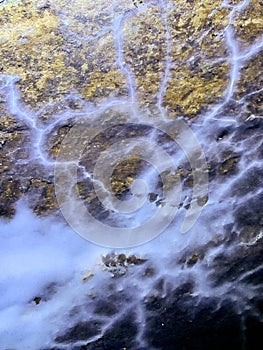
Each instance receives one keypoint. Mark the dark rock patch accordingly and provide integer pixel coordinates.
(251, 181)
(81, 331)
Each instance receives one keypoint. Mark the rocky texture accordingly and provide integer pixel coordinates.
(56, 54)
(197, 78)
(172, 60)
(248, 24)
(118, 264)
(174, 315)
(49, 58)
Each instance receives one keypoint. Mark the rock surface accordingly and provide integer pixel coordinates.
(60, 60)
(197, 61)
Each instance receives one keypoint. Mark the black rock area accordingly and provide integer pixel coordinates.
(251, 212)
(241, 265)
(180, 320)
(251, 181)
